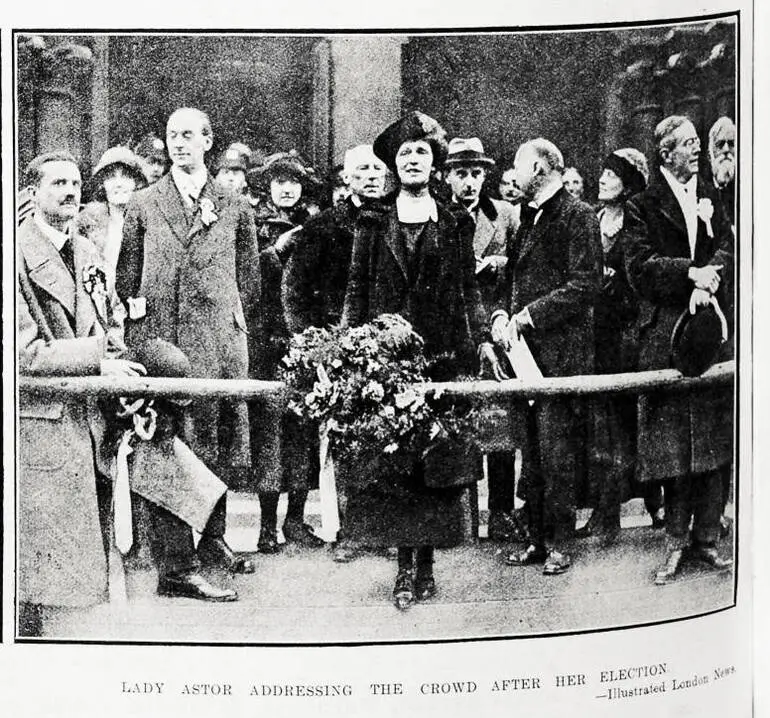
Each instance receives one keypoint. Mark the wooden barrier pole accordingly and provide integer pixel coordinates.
(635, 383)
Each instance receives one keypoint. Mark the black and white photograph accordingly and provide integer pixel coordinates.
(366, 337)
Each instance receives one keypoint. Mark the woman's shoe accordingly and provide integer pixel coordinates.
(403, 591)
(424, 587)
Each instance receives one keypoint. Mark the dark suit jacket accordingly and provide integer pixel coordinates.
(61, 553)
(202, 288)
(316, 276)
(677, 435)
(554, 270)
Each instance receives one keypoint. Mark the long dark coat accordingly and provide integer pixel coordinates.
(62, 559)
(316, 275)
(438, 294)
(202, 288)
(554, 270)
(678, 434)
(285, 455)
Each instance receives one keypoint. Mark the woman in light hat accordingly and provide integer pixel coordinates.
(413, 257)
(116, 177)
(612, 454)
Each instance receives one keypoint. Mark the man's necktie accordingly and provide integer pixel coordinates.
(68, 256)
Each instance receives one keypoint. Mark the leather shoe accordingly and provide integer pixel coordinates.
(297, 532)
(193, 585)
(424, 587)
(345, 551)
(503, 526)
(403, 591)
(667, 572)
(268, 541)
(556, 563)
(215, 552)
(724, 527)
(709, 555)
(530, 555)
(658, 519)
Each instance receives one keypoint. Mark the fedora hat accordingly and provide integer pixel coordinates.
(697, 339)
(467, 151)
(412, 127)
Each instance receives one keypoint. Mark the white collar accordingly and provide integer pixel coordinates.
(189, 183)
(680, 189)
(416, 210)
(546, 192)
(56, 237)
(356, 200)
(472, 209)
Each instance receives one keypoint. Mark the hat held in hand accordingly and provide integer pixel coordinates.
(697, 339)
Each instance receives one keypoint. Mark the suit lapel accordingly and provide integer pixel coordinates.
(394, 242)
(46, 268)
(85, 304)
(485, 232)
(669, 206)
(172, 207)
(208, 192)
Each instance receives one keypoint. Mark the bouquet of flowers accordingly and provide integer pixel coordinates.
(366, 386)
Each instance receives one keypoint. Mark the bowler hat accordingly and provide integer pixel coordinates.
(697, 338)
(412, 127)
(119, 156)
(466, 152)
(162, 359)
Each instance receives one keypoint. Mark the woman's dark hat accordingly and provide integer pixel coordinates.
(281, 164)
(151, 147)
(630, 166)
(411, 127)
(697, 339)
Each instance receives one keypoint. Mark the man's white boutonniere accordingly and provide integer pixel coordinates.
(706, 212)
(208, 213)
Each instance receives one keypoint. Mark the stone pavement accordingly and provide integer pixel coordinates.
(302, 596)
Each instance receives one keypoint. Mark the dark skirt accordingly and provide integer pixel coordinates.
(400, 510)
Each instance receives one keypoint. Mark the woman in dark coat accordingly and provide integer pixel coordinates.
(413, 257)
(612, 452)
(284, 455)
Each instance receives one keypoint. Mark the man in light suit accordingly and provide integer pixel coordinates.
(495, 225)
(680, 255)
(62, 330)
(188, 272)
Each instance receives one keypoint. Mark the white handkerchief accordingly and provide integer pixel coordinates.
(137, 307)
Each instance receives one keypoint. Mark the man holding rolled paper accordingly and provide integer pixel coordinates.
(551, 280)
(679, 260)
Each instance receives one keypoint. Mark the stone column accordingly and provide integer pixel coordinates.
(366, 89)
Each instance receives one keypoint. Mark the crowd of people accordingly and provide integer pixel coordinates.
(176, 268)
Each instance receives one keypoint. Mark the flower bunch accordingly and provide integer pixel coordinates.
(208, 212)
(367, 386)
(94, 281)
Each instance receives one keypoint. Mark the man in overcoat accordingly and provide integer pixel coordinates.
(551, 282)
(680, 255)
(316, 276)
(65, 327)
(495, 223)
(188, 272)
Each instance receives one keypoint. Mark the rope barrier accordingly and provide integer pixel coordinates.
(635, 383)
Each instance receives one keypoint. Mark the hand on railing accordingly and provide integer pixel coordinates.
(121, 367)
